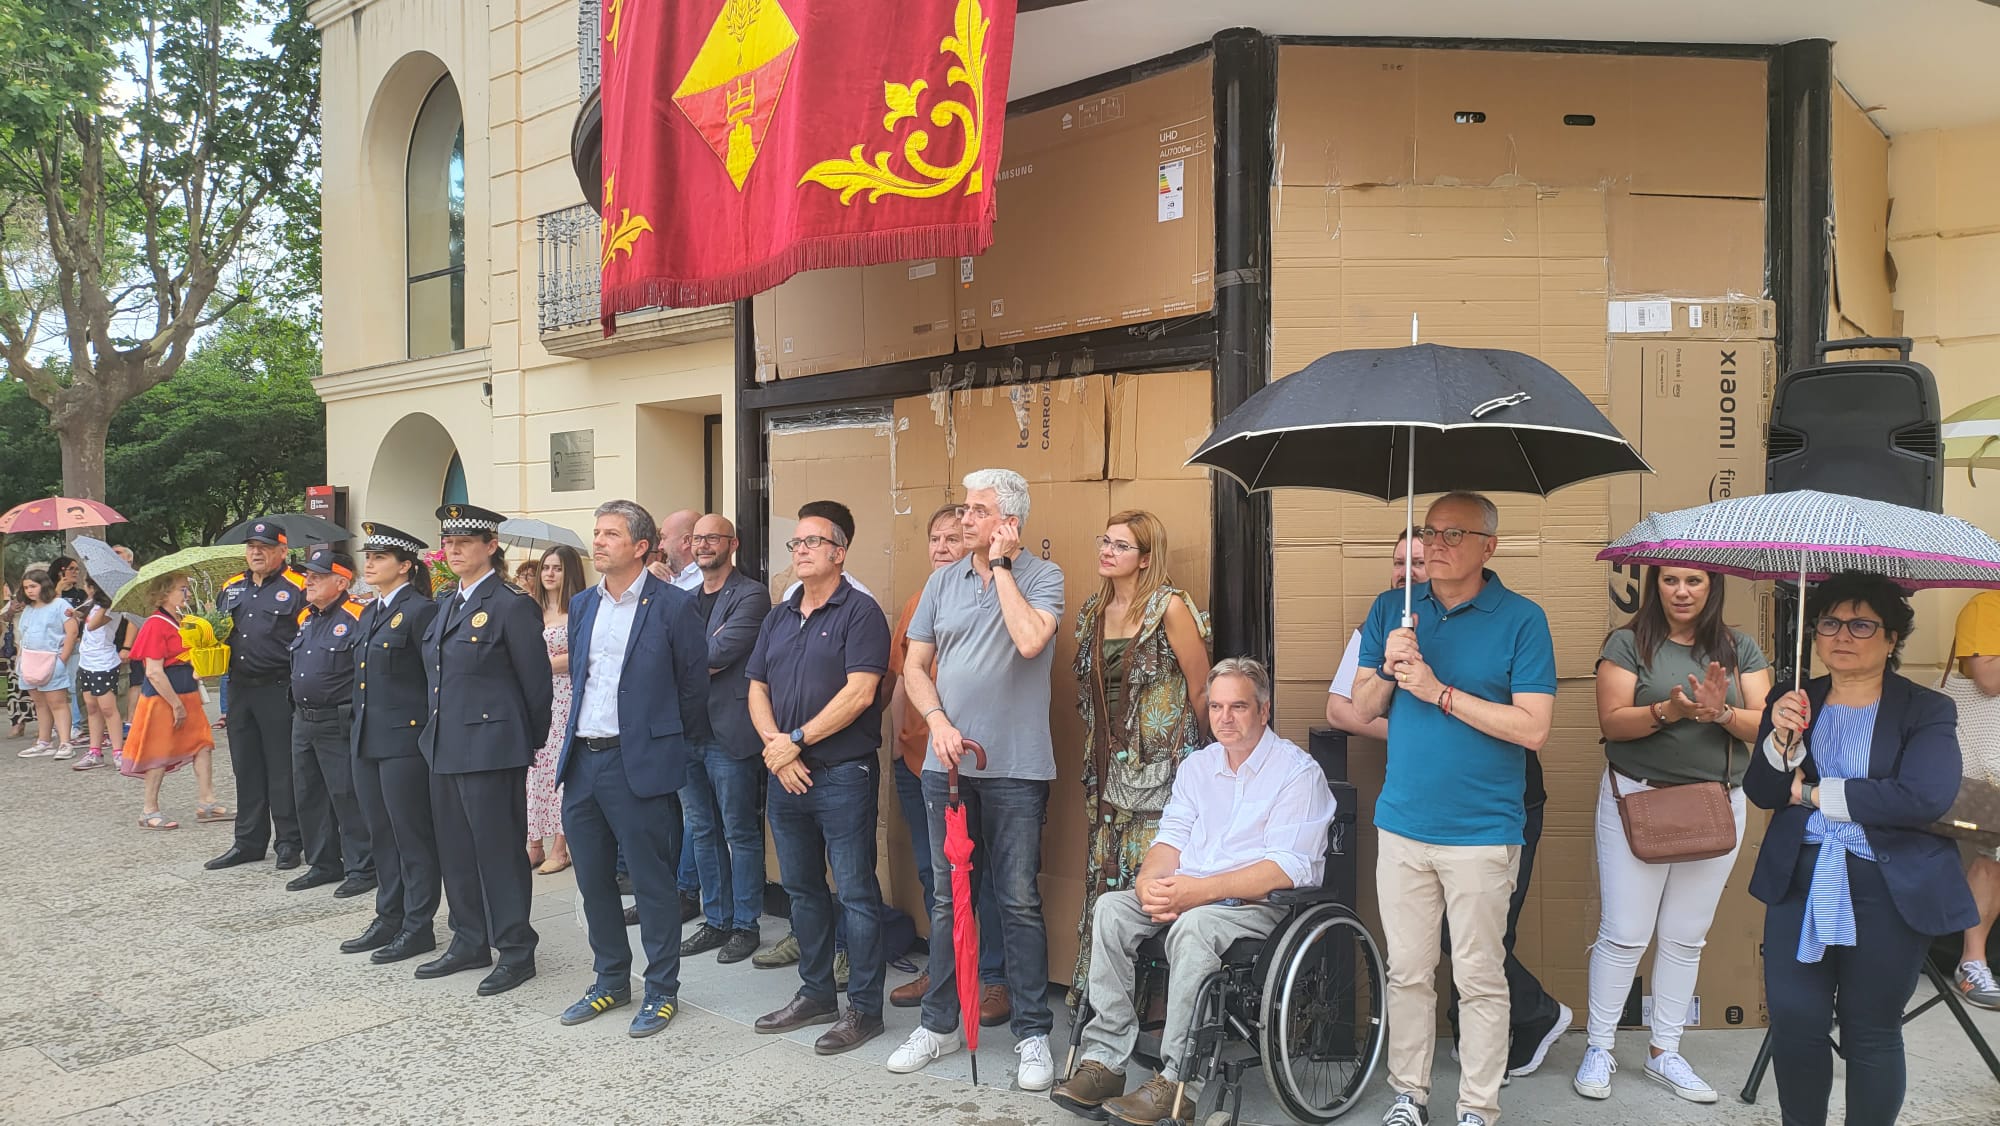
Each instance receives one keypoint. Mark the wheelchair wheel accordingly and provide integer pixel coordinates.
(1321, 1015)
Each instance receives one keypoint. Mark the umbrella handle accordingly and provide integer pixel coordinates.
(978, 756)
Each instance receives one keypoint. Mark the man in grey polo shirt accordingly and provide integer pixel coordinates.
(989, 621)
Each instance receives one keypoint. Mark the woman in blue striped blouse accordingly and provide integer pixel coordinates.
(1856, 766)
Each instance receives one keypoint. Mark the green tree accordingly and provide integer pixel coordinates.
(237, 433)
(30, 461)
(145, 147)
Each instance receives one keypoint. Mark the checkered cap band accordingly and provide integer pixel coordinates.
(382, 538)
(468, 526)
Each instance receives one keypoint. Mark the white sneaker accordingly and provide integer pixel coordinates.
(923, 1046)
(1470, 1119)
(64, 751)
(38, 750)
(1593, 1075)
(1406, 1112)
(1672, 1071)
(1038, 1067)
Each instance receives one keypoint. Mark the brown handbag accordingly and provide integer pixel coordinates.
(1672, 824)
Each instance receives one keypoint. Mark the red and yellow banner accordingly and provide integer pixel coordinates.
(746, 140)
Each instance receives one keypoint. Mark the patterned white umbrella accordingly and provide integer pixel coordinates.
(1809, 535)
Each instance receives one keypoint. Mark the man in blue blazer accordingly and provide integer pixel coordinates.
(638, 660)
(726, 774)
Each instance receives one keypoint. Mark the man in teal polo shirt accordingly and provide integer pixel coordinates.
(1469, 690)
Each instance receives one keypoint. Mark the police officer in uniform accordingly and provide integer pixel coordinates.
(491, 694)
(336, 840)
(392, 702)
(263, 604)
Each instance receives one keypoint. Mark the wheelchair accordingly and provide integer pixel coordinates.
(1303, 1005)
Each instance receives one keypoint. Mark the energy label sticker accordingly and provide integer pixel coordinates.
(1171, 203)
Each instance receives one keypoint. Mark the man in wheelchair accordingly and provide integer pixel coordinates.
(1248, 817)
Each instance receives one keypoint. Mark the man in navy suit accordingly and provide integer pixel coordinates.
(638, 659)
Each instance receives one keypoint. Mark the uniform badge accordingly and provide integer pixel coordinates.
(340, 629)
(479, 619)
(397, 620)
(284, 596)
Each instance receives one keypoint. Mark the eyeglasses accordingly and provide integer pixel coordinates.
(715, 538)
(1452, 537)
(811, 543)
(1860, 629)
(976, 511)
(1119, 546)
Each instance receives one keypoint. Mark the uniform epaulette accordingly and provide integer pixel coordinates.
(304, 613)
(353, 609)
(297, 579)
(237, 577)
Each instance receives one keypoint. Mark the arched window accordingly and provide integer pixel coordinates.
(454, 483)
(435, 202)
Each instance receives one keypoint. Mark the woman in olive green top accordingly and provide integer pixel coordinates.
(1679, 697)
(1141, 673)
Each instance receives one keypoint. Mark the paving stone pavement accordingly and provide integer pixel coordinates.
(140, 988)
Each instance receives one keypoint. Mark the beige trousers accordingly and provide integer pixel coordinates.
(1419, 886)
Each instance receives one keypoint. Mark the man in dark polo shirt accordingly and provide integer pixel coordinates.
(263, 605)
(819, 657)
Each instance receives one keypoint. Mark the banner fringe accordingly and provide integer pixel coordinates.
(823, 252)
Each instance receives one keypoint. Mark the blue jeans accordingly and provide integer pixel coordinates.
(1864, 987)
(1005, 818)
(910, 795)
(222, 697)
(720, 803)
(832, 826)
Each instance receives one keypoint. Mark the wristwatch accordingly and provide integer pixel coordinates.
(799, 736)
(1004, 563)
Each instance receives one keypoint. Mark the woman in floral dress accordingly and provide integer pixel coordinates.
(1142, 674)
(561, 581)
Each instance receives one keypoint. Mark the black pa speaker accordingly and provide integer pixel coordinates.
(1864, 428)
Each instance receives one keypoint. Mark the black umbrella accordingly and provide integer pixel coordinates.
(1395, 422)
(300, 529)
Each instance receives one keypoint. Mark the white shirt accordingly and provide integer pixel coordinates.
(465, 592)
(597, 712)
(851, 581)
(1350, 663)
(388, 598)
(1276, 807)
(689, 578)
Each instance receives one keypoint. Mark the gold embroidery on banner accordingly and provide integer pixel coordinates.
(627, 232)
(854, 174)
(616, 10)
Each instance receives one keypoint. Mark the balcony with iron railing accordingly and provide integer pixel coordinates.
(567, 283)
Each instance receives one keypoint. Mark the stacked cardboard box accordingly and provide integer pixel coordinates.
(1552, 204)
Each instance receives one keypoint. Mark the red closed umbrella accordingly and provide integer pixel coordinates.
(964, 913)
(56, 514)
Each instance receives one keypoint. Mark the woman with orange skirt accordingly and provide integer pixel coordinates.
(169, 728)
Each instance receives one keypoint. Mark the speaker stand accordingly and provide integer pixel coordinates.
(1946, 996)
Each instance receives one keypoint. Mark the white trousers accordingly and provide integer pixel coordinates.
(1641, 902)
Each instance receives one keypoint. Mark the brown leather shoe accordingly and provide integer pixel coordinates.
(911, 994)
(797, 1013)
(1147, 1105)
(848, 1033)
(994, 1006)
(1085, 1092)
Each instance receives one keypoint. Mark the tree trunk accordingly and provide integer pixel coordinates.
(83, 432)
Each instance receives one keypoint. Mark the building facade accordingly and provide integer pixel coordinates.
(463, 360)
